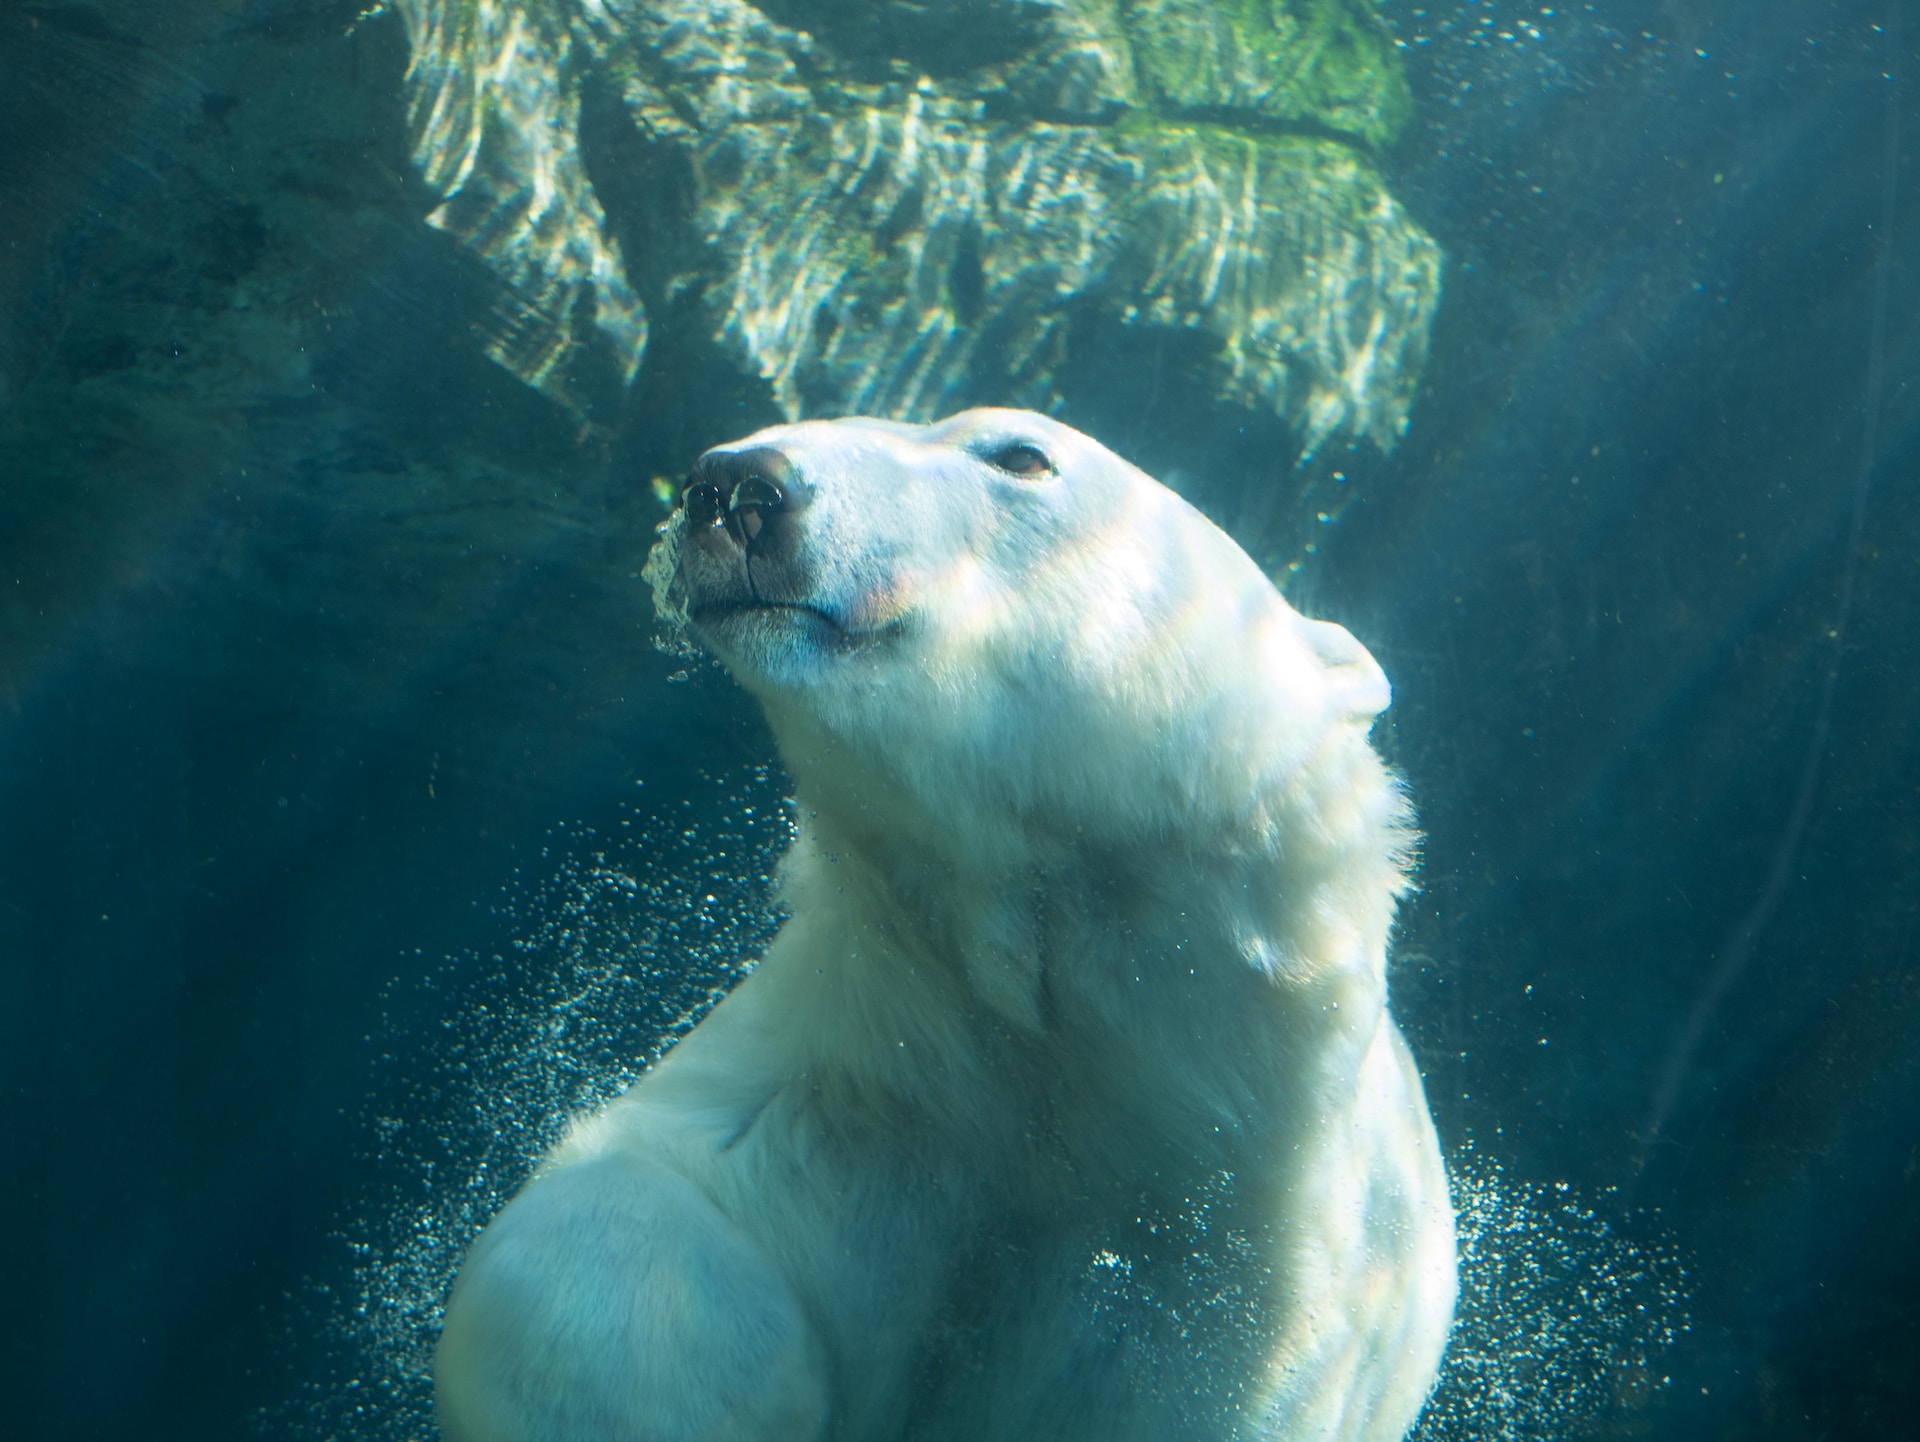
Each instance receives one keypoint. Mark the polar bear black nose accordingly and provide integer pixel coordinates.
(744, 491)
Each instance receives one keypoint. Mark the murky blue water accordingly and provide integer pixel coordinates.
(353, 833)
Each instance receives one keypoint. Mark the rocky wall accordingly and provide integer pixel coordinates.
(894, 209)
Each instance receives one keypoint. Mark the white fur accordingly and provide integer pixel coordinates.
(1066, 1105)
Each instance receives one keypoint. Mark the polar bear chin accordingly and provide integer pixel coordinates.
(1066, 1106)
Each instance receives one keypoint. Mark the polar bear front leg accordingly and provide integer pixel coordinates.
(611, 1302)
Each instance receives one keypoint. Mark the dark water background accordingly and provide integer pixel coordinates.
(314, 627)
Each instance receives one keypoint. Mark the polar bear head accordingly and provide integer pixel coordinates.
(992, 633)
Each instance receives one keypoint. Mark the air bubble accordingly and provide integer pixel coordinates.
(482, 1063)
(1567, 1310)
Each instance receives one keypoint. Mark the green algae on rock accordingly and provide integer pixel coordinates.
(1319, 64)
(877, 209)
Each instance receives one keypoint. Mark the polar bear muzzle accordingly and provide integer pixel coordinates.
(745, 545)
(801, 547)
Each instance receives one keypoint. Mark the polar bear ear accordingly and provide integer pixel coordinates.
(1356, 685)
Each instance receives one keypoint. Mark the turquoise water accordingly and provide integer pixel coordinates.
(355, 833)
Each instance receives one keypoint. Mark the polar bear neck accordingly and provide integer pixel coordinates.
(997, 943)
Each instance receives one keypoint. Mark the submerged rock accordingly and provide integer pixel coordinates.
(893, 208)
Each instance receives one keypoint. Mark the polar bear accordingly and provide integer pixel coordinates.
(1066, 1106)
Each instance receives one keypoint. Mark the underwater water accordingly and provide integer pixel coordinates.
(354, 833)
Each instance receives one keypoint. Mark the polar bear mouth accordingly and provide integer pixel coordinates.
(812, 622)
(721, 611)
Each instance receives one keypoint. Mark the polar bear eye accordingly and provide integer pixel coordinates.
(1020, 459)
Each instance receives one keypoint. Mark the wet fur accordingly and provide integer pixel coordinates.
(1066, 1105)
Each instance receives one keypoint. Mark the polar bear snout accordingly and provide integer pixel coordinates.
(746, 547)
